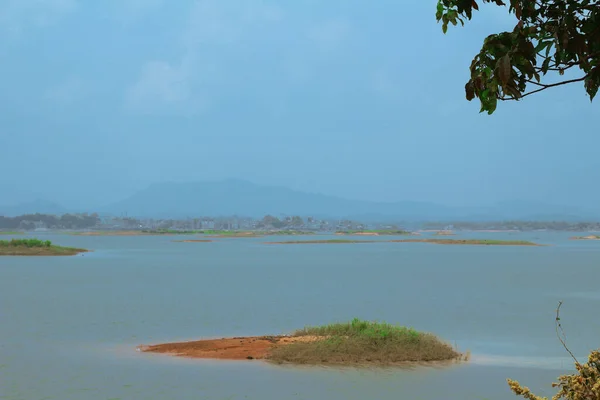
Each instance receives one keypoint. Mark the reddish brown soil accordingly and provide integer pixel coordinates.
(239, 348)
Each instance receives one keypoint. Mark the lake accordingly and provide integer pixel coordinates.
(69, 325)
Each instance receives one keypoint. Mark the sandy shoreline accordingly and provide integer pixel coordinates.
(236, 348)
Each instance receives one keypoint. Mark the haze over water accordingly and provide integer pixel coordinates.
(69, 325)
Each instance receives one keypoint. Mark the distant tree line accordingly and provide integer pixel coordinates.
(66, 221)
(517, 225)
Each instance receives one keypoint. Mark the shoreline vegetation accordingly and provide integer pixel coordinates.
(192, 241)
(35, 247)
(590, 237)
(375, 232)
(215, 233)
(326, 241)
(353, 343)
(477, 242)
(11, 233)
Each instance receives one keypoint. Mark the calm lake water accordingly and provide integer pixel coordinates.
(69, 325)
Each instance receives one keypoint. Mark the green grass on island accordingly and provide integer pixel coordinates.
(170, 232)
(589, 237)
(35, 247)
(232, 234)
(11, 233)
(192, 241)
(390, 232)
(481, 242)
(288, 233)
(364, 343)
(326, 241)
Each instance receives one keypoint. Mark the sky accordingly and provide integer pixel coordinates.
(101, 99)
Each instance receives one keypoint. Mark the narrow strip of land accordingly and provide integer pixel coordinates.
(192, 241)
(478, 242)
(326, 241)
(35, 247)
(590, 237)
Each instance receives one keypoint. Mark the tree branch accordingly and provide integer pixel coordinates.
(563, 338)
(543, 87)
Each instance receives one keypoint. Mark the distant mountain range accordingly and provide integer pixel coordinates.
(36, 206)
(238, 197)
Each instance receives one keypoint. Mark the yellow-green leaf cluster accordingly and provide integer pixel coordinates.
(584, 385)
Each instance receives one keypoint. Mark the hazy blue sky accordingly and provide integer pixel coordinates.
(359, 99)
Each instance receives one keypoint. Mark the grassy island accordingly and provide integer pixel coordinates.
(144, 232)
(325, 241)
(35, 247)
(363, 342)
(288, 233)
(590, 237)
(233, 234)
(480, 242)
(193, 241)
(374, 232)
(11, 233)
(113, 233)
(353, 343)
(169, 232)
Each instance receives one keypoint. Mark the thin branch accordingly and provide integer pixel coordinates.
(560, 333)
(563, 338)
(535, 83)
(557, 69)
(544, 87)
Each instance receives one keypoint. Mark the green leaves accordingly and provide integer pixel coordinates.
(549, 36)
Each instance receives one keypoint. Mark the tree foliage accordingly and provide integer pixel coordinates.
(550, 36)
(584, 385)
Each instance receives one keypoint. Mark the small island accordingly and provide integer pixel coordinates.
(353, 343)
(116, 233)
(325, 241)
(478, 242)
(233, 234)
(211, 233)
(374, 232)
(589, 237)
(35, 247)
(192, 241)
